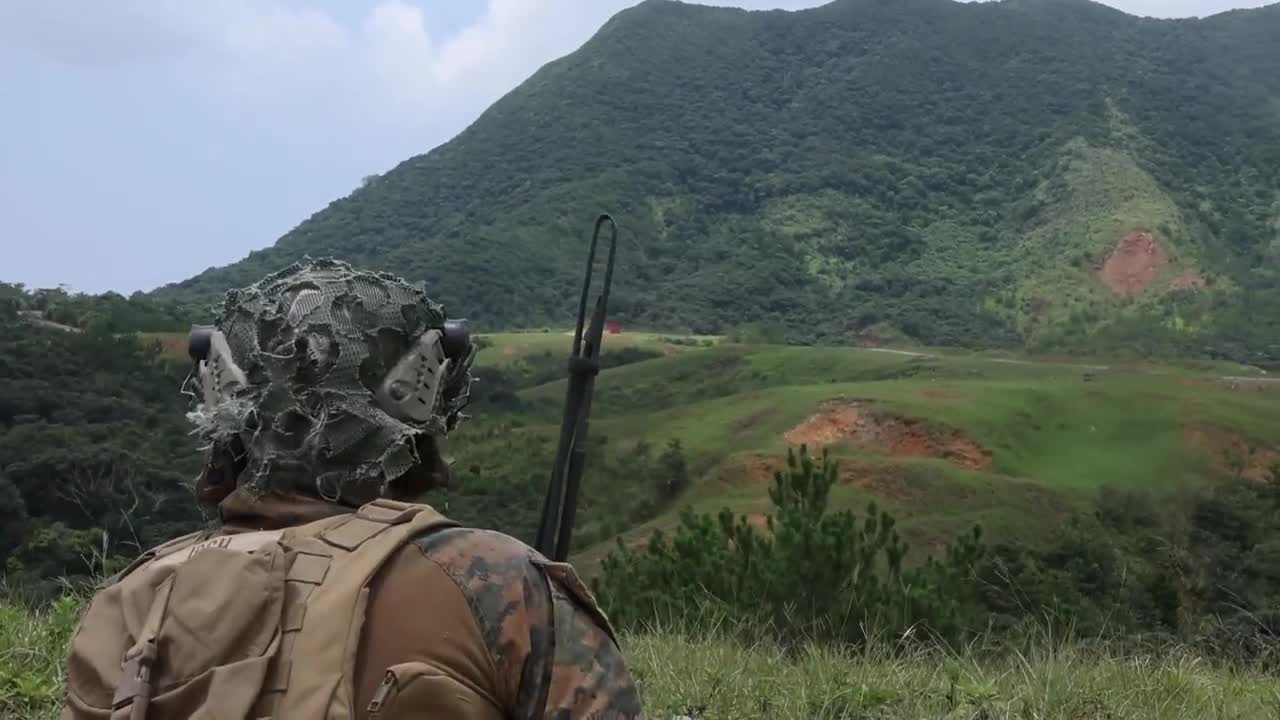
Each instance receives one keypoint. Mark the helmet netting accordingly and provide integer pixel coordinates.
(314, 340)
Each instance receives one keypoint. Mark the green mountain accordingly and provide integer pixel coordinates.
(1051, 174)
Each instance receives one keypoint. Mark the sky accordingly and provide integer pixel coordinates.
(143, 141)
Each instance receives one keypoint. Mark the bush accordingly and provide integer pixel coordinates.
(809, 574)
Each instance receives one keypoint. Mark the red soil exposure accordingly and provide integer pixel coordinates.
(890, 434)
(1232, 453)
(1133, 264)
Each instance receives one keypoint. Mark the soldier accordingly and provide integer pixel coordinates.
(324, 396)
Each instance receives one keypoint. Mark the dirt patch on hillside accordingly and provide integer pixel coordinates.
(1133, 264)
(887, 433)
(1232, 453)
(827, 427)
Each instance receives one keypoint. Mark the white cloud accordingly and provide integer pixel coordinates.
(264, 31)
(292, 56)
(1183, 8)
(381, 65)
(506, 45)
(399, 52)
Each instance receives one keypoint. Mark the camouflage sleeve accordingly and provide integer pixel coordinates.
(553, 657)
(589, 678)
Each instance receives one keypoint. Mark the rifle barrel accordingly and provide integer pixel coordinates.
(559, 508)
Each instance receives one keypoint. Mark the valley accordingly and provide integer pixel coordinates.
(942, 440)
(941, 379)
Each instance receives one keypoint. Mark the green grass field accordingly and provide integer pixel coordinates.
(711, 676)
(1004, 441)
(509, 347)
(1052, 430)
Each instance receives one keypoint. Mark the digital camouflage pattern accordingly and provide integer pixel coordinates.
(314, 340)
(589, 676)
(553, 649)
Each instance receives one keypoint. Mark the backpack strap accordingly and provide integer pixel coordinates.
(359, 545)
(133, 694)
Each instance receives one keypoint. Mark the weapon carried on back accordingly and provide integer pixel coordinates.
(561, 504)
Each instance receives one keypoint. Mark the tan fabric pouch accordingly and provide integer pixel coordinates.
(417, 690)
(188, 635)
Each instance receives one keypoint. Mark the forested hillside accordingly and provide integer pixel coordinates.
(1052, 174)
(95, 453)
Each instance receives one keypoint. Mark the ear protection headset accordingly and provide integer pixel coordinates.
(410, 391)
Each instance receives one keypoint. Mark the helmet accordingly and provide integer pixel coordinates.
(321, 378)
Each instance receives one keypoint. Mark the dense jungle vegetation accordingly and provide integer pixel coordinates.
(957, 173)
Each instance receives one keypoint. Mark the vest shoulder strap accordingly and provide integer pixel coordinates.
(340, 556)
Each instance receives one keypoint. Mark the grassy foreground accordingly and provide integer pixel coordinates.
(713, 677)
(723, 679)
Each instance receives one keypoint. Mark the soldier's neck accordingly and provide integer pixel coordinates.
(244, 512)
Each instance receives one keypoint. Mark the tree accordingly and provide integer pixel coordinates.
(807, 573)
(672, 471)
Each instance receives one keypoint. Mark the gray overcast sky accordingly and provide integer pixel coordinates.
(142, 141)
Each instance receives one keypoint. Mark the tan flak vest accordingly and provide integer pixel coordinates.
(254, 625)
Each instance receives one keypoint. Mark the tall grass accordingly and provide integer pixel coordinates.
(32, 647)
(710, 674)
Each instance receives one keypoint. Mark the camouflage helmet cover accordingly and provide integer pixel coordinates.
(314, 341)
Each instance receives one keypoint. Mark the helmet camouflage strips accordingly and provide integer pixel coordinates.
(335, 372)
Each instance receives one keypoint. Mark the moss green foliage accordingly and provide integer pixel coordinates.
(1201, 570)
(1198, 572)
(951, 172)
(850, 571)
(95, 461)
(101, 415)
(108, 312)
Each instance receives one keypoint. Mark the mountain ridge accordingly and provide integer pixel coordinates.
(792, 165)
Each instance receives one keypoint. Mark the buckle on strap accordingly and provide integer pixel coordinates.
(136, 681)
